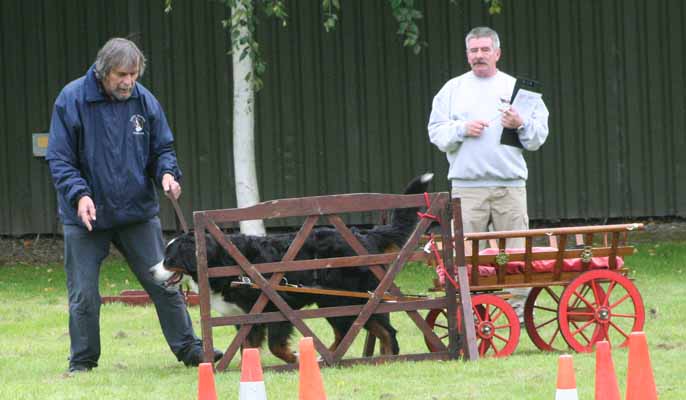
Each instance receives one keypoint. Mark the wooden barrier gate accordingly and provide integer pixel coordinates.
(329, 207)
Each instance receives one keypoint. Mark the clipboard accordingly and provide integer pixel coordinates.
(509, 136)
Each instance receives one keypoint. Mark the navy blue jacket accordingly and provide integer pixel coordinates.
(114, 151)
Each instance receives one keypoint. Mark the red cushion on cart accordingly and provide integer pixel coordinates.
(517, 267)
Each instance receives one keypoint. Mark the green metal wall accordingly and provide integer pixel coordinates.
(346, 111)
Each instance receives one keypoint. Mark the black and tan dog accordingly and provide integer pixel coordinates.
(322, 242)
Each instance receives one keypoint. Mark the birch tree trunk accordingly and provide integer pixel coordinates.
(247, 190)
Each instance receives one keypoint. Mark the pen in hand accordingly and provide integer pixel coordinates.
(504, 106)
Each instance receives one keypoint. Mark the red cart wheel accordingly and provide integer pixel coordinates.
(495, 322)
(541, 317)
(610, 310)
(437, 318)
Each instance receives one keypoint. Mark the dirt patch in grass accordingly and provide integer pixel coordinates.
(44, 250)
(663, 232)
(34, 250)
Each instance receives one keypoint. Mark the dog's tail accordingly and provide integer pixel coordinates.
(404, 220)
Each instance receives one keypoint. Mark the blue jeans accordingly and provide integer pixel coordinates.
(142, 245)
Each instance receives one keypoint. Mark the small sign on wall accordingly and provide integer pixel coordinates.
(40, 144)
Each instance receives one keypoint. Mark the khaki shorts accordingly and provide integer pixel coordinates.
(503, 208)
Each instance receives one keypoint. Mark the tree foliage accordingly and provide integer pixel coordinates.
(405, 12)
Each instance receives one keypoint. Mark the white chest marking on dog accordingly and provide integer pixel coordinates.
(223, 307)
(159, 273)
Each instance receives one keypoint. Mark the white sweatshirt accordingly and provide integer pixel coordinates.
(482, 161)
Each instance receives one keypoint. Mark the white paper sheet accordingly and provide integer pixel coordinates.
(525, 103)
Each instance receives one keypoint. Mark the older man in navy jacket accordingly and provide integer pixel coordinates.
(110, 145)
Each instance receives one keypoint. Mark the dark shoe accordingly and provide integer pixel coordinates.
(79, 368)
(196, 357)
(76, 369)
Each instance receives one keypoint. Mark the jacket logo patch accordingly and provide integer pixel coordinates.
(138, 123)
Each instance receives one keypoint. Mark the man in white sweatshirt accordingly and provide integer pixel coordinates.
(467, 118)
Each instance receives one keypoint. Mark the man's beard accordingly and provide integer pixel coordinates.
(122, 95)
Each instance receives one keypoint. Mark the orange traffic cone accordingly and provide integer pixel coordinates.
(566, 383)
(311, 385)
(640, 383)
(206, 390)
(606, 386)
(252, 382)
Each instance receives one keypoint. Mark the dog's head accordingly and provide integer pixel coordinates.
(179, 261)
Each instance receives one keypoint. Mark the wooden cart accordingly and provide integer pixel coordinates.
(581, 292)
(566, 308)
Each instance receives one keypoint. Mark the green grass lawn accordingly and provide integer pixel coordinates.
(136, 363)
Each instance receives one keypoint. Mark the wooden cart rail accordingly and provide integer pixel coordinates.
(570, 230)
(329, 208)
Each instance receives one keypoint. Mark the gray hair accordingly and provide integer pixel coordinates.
(118, 53)
(480, 32)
